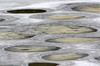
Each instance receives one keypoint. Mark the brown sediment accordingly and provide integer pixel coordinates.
(43, 64)
(26, 11)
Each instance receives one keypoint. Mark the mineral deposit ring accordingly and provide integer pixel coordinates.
(31, 48)
(63, 16)
(93, 7)
(4, 35)
(64, 56)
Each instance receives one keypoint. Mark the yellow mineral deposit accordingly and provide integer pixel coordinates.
(12, 36)
(92, 8)
(64, 17)
(31, 48)
(61, 29)
(63, 57)
(73, 40)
